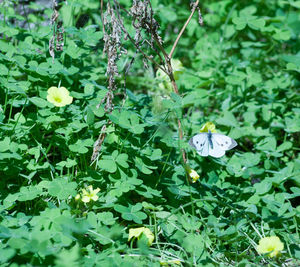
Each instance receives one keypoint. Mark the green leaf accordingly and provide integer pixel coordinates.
(284, 146)
(249, 159)
(106, 236)
(131, 213)
(263, 187)
(236, 78)
(68, 164)
(39, 102)
(295, 4)
(142, 166)
(62, 189)
(81, 146)
(282, 35)
(54, 118)
(6, 254)
(152, 154)
(168, 14)
(228, 120)
(239, 22)
(4, 144)
(73, 50)
(98, 111)
(234, 166)
(89, 89)
(68, 257)
(195, 98)
(122, 160)
(253, 78)
(295, 250)
(9, 31)
(256, 24)
(194, 243)
(3, 70)
(29, 193)
(17, 243)
(108, 165)
(90, 117)
(254, 199)
(267, 144)
(127, 120)
(292, 66)
(106, 218)
(292, 124)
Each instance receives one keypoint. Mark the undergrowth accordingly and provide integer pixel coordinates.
(105, 179)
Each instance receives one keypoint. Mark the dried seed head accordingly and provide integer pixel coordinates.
(58, 31)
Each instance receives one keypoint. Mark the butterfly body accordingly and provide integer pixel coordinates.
(212, 144)
(209, 136)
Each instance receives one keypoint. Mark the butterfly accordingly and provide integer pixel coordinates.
(212, 144)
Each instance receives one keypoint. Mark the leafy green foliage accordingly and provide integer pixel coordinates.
(241, 71)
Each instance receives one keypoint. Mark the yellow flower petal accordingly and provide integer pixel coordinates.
(194, 175)
(84, 192)
(86, 199)
(134, 232)
(96, 191)
(95, 197)
(209, 126)
(271, 245)
(137, 232)
(89, 194)
(59, 96)
(147, 232)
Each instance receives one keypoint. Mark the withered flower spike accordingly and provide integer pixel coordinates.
(58, 32)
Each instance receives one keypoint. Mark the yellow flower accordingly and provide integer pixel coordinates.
(77, 197)
(164, 78)
(192, 173)
(209, 126)
(137, 232)
(271, 245)
(90, 194)
(59, 97)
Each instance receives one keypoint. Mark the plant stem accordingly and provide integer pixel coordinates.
(183, 28)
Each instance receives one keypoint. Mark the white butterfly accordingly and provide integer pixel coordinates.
(212, 144)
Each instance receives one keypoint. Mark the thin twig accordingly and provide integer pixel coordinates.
(183, 28)
(98, 143)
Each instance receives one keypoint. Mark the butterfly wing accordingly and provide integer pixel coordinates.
(221, 143)
(224, 141)
(215, 147)
(200, 142)
(216, 151)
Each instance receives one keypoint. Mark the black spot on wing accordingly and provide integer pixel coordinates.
(198, 141)
(224, 142)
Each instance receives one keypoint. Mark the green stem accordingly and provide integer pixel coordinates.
(19, 115)
(162, 171)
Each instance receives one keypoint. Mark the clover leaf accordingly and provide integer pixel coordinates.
(131, 213)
